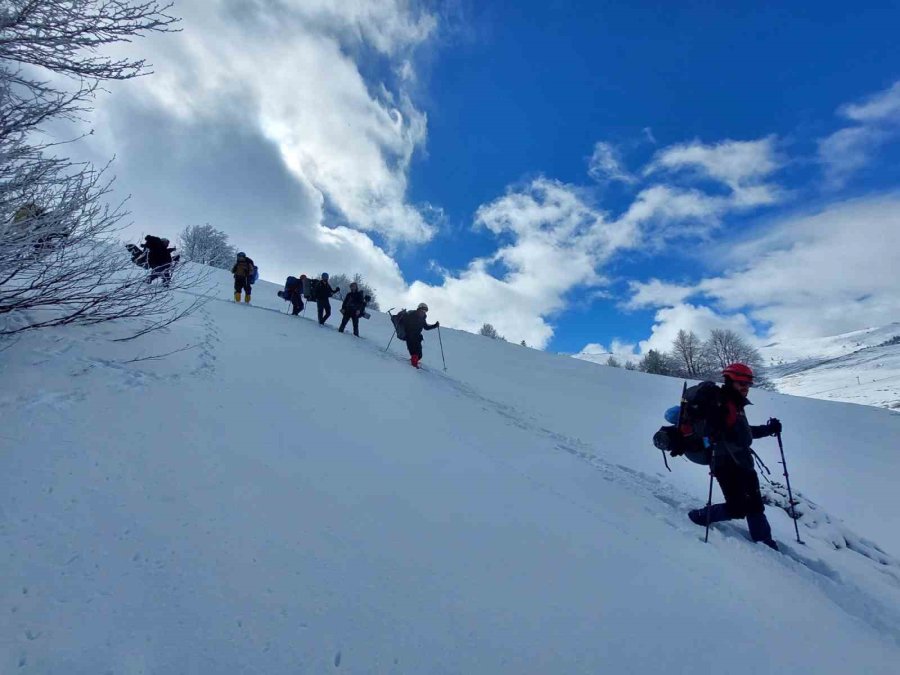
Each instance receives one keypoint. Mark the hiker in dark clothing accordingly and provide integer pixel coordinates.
(243, 274)
(731, 435)
(413, 324)
(295, 295)
(353, 307)
(159, 258)
(323, 293)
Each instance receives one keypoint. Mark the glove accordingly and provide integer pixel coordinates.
(437, 323)
(337, 289)
(774, 426)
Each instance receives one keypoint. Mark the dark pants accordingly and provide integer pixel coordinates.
(324, 311)
(350, 316)
(742, 499)
(414, 345)
(242, 284)
(297, 302)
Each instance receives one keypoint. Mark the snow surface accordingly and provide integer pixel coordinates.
(280, 498)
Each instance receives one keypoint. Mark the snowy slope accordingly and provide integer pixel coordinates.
(279, 498)
(855, 367)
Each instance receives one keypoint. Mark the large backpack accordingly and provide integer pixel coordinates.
(255, 275)
(290, 285)
(691, 424)
(399, 321)
(310, 286)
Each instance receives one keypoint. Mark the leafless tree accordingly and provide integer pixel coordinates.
(60, 258)
(724, 347)
(206, 245)
(687, 354)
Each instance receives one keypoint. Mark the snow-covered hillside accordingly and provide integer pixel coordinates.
(859, 367)
(274, 497)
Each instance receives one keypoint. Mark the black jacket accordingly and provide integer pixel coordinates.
(414, 323)
(323, 291)
(158, 252)
(354, 303)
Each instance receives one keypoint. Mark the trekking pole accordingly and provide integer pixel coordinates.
(442, 349)
(788, 481)
(395, 330)
(712, 463)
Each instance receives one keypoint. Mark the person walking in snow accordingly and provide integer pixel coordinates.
(159, 258)
(323, 293)
(243, 275)
(413, 324)
(730, 436)
(352, 308)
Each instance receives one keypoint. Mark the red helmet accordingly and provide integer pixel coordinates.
(739, 372)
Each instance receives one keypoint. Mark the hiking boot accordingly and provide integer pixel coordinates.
(247, 298)
(414, 360)
(698, 517)
(237, 297)
(770, 543)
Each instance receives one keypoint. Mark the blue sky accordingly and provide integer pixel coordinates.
(663, 165)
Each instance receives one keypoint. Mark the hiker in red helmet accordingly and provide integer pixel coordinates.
(730, 436)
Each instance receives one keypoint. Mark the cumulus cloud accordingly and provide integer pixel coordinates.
(558, 241)
(849, 149)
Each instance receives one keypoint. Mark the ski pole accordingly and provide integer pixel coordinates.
(712, 463)
(395, 330)
(788, 481)
(442, 349)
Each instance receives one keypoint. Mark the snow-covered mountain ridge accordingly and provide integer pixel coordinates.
(858, 367)
(274, 497)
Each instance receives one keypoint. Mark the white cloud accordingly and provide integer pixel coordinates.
(851, 148)
(559, 241)
(292, 70)
(606, 165)
(806, 276)
(741, 165)
(656, 293)
(820, 274)
(622, 351)
(882, 106)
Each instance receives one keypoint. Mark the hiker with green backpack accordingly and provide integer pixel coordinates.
(711, 427)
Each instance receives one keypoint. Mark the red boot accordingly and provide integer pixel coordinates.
(414, 360)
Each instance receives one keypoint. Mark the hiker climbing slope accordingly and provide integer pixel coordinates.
(243, 271)
(729, 437)
(323, 292)
(413, 325)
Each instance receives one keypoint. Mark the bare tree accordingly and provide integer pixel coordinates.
(724, 347)
(206, 245)
(59, 255)
(688, 355)
(489, 331)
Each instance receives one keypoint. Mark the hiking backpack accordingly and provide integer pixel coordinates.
(290, 284)
(690, 423)
(254, 275)
(399, 322)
